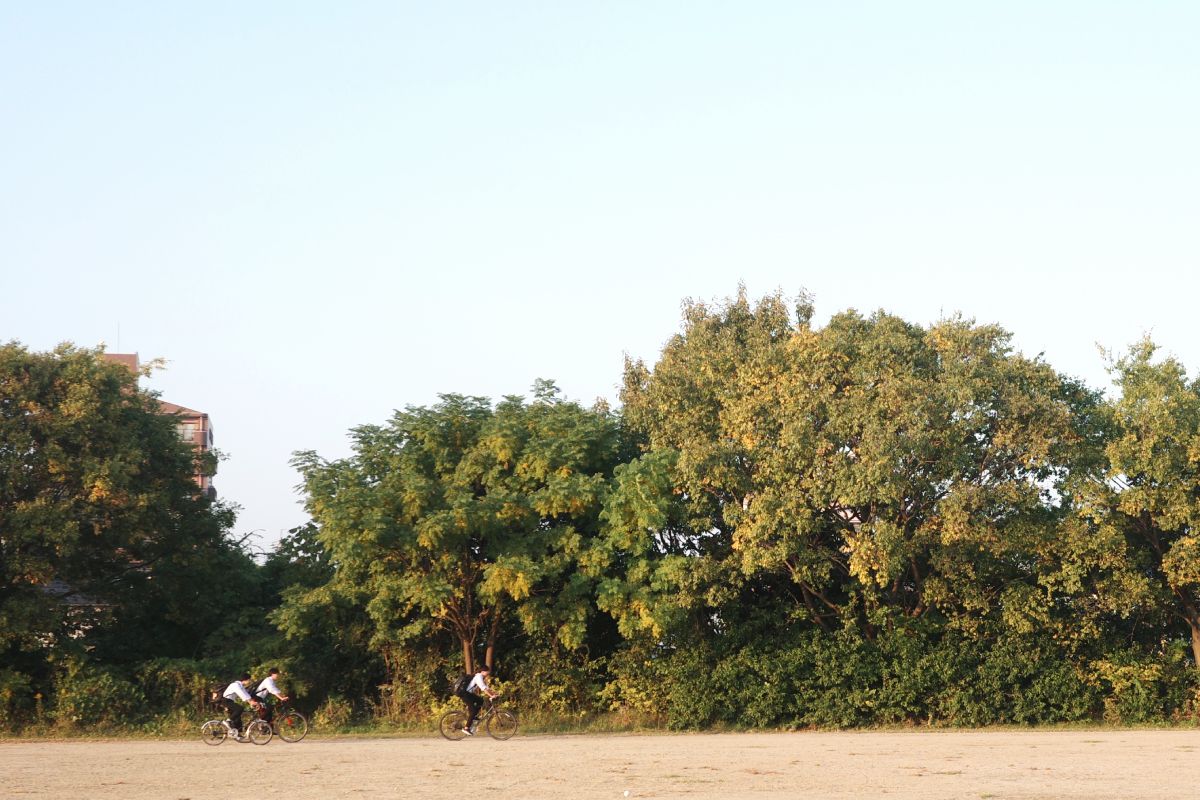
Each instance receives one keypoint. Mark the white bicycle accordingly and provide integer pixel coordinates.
(216, 731)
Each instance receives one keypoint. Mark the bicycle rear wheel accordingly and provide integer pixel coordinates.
(213, 731)
(453, 725)
(291, 727)
(259, 731)
(502, 724)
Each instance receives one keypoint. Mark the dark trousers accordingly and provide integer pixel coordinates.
(234, 709)
(474, 703)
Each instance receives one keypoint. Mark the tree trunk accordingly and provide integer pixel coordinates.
(390, 665)
(1193, 620)
(468, 656)
(489, 657)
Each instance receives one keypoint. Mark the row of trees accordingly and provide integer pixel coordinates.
(784, 524)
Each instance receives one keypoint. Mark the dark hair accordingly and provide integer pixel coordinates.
(245, 676)
(485, 668)
(273, 671)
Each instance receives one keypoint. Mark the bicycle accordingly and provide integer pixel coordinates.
(287, 723)
(216, 731)
(500, 723)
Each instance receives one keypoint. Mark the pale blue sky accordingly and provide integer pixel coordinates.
(322, 212)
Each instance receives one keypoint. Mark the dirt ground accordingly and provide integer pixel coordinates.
(905, 764)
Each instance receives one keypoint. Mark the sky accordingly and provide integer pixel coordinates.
(320, 213)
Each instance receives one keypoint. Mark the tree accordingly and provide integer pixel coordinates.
(666, 557)
(459, 516)
(859, 473)
(102, 528)
(1145, 515)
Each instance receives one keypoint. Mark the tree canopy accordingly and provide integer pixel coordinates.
(460, 516)
(784, 524)
(105, 542)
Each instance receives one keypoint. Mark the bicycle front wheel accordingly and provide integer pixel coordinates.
(259, 731)
(213, 731)
(502, 724)
(453, 725)
(291, 727)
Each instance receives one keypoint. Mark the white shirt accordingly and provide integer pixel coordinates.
(477, 684)
(236, 690)
(268, 685)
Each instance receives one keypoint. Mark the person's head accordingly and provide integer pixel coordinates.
(245, 677)
(273, 672)
(486, 670)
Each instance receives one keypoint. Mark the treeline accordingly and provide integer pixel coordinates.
(868, 522)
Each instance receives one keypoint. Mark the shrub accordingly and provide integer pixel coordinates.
(1014, 679)
(555, 685)
(1142, 687)
(909, 674)
(336, 712)
(174, 685)
(87, 696)
(639, 681)
(16, 698)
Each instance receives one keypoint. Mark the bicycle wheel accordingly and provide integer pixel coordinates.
(453, 725)
(502, 724)
(259, 731)
(291, 727)
(213, 731)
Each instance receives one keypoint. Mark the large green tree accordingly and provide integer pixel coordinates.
(105, 540)
(1141, 546)
(461, 516)
(857, 473)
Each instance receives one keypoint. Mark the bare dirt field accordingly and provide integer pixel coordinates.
(916, 764)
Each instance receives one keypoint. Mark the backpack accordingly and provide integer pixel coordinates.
(460, 684)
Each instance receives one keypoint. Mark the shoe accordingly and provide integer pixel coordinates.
(468, 732)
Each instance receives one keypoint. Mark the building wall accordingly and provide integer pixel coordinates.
(193, 427)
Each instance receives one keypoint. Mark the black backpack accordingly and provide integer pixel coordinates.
(460, 684)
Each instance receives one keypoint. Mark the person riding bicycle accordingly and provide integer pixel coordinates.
(267, 688)
(229, 698)
(471, 696)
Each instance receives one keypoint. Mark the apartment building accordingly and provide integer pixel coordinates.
(193, 427)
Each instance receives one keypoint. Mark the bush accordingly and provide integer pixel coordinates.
(907, 675)
(639, 681)
(16, 698)
(1143, 687)
(553, 684)
(336, 712)
(87, 696)
(1023, 680)
(178, 685)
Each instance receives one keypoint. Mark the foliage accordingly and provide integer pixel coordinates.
(16, 698)
(107, 548)
(858, 474)
(86, 695)
(869, 522)
(639, 679)
(457, 517)
(1146, 511)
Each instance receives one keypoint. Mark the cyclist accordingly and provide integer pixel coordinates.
(267, 688)
(471, 696)
(229, 698)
